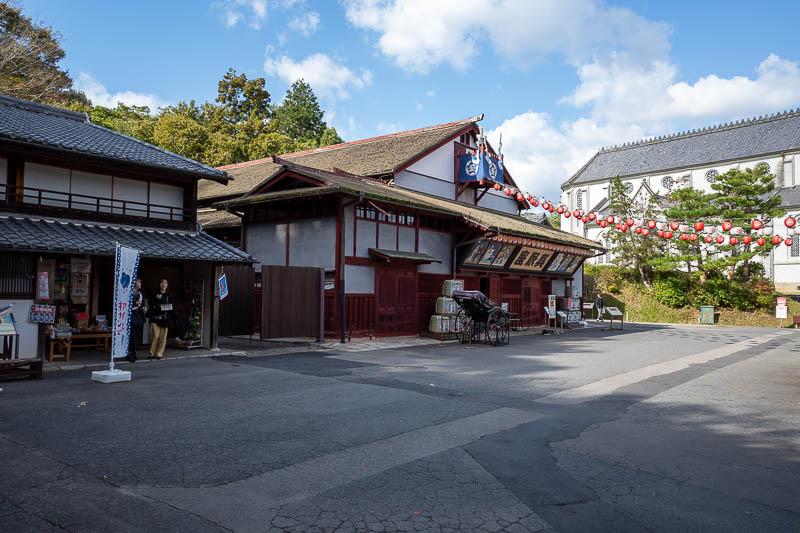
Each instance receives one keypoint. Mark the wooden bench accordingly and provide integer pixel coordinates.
(97, 341)
(13, 368)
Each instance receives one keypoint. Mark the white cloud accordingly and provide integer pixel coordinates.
(420, 107)
(99, 95)
(326, 76)
(419, 35)
(385, 128)
(232, 12)
(305, 24)
(430, 93)
(628, 102)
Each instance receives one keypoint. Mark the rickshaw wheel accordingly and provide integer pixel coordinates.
(462, 326)
(496, 326)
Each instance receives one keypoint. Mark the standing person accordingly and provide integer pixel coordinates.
(138, 312)
(600, 305)
(160, 308)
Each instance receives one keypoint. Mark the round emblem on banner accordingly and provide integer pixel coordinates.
(471, 168)
(492, 170)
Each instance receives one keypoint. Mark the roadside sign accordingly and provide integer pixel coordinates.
(781, 311)
(613, 311)
(781, 300)
(588, 306)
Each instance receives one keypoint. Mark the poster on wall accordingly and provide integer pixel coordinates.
(42, 286)
(42, 314)
(530, 259)
(490, 254)
(125, 269)
(7, 326)
(476, 252)
(503, 255)
(223, 287)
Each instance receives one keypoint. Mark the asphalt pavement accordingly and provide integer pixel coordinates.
(654, 428)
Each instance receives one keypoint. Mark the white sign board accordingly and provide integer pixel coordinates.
(613, 311)
(549, 312)
(562, 314)
(781, 311)
(588, 306)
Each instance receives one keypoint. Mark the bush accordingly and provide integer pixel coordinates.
(605, 278)
(720, 292)
(672, 291)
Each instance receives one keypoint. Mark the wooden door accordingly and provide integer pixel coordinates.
(396, 295)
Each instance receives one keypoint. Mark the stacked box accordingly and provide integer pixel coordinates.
(439, 324)
(451, 285)
(446, 306)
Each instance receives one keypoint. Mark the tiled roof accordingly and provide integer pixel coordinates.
(367, 157)
(539, 218)
(417, 257)
(59, 129)
(726, 142)
(378, 190)
(790, 196)
(217, 219)
(34, 234)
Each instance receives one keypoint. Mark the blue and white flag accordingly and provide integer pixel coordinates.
(480, 167)
(127, 265)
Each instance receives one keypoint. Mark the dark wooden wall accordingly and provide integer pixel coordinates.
(236, 310)
(290, 301)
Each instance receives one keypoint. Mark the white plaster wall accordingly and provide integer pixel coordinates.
(313, 243)
(577, 280)
(47, 177)
(499, 201)
(439, 163)
(131, 191)
(28, 333)
(557, 287)
(266, 242)
(359, 279)
(788, 274)
(91, 184)
(365, 237)
(166, 195)
(426, 184)
(407, 239)
(789, 175)
(387, 236)
(440, 246)
(348, 230)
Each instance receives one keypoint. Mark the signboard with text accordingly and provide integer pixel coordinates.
(492, 255)
(613, 311)
(530, 259)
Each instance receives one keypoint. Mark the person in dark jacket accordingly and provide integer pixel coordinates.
(138, 312)
(600, 305)
(160, 308)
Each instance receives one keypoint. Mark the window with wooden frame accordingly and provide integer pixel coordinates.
(401, 218)
(17, 276)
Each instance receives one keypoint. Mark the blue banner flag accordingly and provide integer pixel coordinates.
(480, 167)
(127, 265)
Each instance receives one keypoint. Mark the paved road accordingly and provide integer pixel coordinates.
(650, 429)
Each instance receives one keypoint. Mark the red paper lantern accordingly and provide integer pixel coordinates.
(698, 226)
(726, 226)
(651, 224)
(497, 187)
(788, 242)
(720, 239)
(623, 228)
(584, 219)
(520, 197)
(638, 230)
(602, 223)
(566, 214)
(668, 235)
(645, 232)
(674, 225)
(709, 238)
(776, 239)
(592, 216)
(576, 213)
(552, 208)
(534, 202)
(610, 219)
(560, 209)
(693, 237)
(629, 221)
(734, 240)
(747, 239)
(761, 241)
(545, 205)
(660, 233)
(757, 224)
(684, 237)
(789, 222)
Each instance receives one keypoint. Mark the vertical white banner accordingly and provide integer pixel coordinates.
(125, 269)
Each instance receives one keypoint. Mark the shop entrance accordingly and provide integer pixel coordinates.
(396, 296)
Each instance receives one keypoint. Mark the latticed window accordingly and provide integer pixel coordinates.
(17, 276)
(711, 176)
(666, 182)
(579, 200)
(764, 166)
(628, 188)
(795, 248)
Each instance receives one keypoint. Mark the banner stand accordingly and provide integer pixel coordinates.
(126, 268)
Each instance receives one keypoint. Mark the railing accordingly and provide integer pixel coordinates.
(46, 198)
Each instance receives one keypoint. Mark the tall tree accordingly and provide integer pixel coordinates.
(299, 115)
(633, 250)
(29, 57)
(244, 113)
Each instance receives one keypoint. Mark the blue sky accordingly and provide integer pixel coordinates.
(558, 79)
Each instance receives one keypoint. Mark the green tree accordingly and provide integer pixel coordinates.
(179, 133)
(29, 56)
(135, 121)
(329, 137)
(631, 249)
(299, 115)
(555, 220)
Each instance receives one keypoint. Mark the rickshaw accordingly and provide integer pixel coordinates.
(479, 320)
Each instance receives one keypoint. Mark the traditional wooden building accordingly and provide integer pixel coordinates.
(391, 218)
(70, 190)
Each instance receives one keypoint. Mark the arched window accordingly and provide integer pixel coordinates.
(666, 182)
(711, 176)
(764, 166)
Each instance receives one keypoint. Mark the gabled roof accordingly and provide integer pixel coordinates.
(538, 218)
(744, 139)
(481, 217)
(54, 128)
(37, 234)
(377, 156)
(790, 196)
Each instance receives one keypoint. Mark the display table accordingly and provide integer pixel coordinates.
(95, 340)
